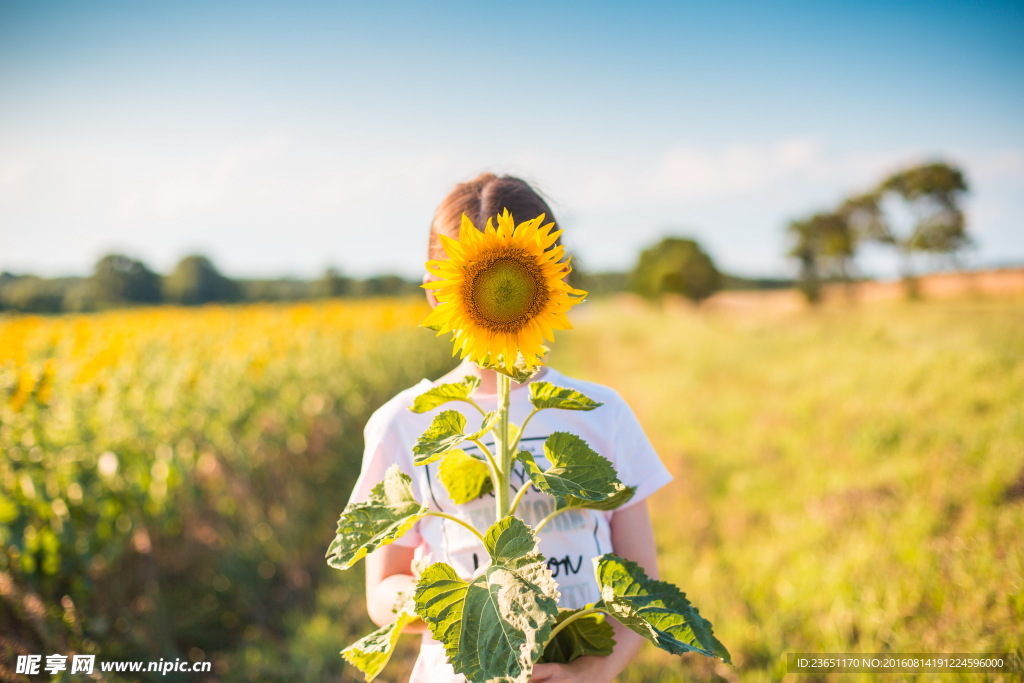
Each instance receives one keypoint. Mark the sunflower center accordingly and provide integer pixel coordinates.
(504, 290)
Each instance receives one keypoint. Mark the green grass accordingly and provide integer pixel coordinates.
(847, 480)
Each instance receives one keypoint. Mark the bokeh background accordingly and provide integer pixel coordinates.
(213, 219)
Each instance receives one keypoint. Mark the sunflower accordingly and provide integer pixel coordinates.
(502, 291)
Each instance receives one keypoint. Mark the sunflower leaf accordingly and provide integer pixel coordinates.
(576, 470)
(519, 375)
(510, 542)
(370, 654)
(506, 613)
(621, 496)
(547, 395)
(363, 527)
(591, 634)
(444, 433)
(656, 610)
(466, 478)
(490, 419)
(439, 395)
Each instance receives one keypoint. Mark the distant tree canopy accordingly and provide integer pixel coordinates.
(119, 279)
(824, 245)
(196, 281)
(383, 285)
(122, 281)
(332, 283)
(678, 266)
(31, 294)
(598, 284)
(931, 194)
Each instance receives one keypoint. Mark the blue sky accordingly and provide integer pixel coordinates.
(281, 138)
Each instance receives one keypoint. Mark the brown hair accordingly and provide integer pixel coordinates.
(481, 198)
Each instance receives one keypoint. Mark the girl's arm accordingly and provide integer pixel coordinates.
(632, 538)
(388, 573)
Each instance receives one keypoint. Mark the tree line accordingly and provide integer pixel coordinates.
(118, 280)
(916, 210)
(674, 265)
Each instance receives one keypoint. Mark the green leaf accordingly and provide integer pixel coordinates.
(439, 395)
(591, 634)
(547, 395)
(510, 540)
(444, 433)
(370, 654)
(622, 495)
(518, 372)
(466, 478)
(655, 609)
(490, 419)
(386, 516)
(576, 471)
(494, 627)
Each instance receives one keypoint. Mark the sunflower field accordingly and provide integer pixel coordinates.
(170, 478)
(847, 480)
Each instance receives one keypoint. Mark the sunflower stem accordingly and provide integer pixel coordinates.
(503, 447)
(487, 454)
(579, 615)
(469, 527)
(544, 522)
(522, 429)
(519, 496)
(476, 405)
(492, 466)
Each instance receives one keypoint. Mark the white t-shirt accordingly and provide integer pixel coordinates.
(570, 541)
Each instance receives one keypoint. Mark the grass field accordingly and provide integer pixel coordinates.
(850, 480)
(847, 480)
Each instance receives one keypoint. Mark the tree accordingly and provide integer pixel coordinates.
(196, 281)
(387, 285)
(825, 245)
(675, 265)
(932, 194)
(863, 214)
(31, 294)
(332, 284)
(120, 279)
(805, 250)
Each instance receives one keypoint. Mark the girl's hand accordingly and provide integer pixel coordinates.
(582, 670)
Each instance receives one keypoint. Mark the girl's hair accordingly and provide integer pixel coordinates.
(481, 198)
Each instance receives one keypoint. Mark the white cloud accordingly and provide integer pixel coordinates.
(795, 171)
(682, 175)
(209, 181)
(14, 172)
(420, 176)
(239, 198)
(689, 174)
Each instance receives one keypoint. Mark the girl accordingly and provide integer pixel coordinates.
(571, 540)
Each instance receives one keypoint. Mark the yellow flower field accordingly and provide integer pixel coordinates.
(169, 474)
